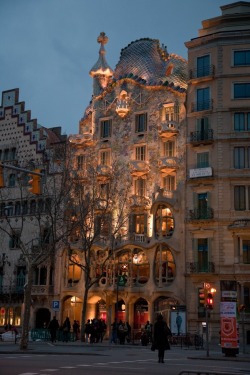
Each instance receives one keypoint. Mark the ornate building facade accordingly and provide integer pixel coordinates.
(137, 115)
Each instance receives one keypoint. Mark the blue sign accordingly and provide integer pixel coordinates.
(56, 305)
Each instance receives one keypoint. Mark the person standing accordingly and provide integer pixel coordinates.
(76, 329)
(66, 329)
(161, 333)
(53, 327)
(87, 331)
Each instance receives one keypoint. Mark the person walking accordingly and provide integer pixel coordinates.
(53, 327)
(161, 333)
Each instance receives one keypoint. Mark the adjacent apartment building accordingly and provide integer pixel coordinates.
(217, 199)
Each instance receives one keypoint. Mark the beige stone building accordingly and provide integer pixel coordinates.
(217, 207)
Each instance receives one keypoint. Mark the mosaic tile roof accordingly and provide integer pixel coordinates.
(148, 63)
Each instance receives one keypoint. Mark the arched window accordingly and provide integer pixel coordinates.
(164, 222)
(165, 268)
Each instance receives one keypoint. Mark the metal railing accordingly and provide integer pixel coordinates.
(201, 136)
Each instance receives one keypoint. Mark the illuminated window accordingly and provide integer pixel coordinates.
(165, 268)
(169, 148)
(140, 153)
(105, 157)
(164, 222)
(140, 187)
(169, 183)
(74, 270)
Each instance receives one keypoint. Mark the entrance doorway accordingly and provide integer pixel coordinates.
(43, 318)
(140, 313)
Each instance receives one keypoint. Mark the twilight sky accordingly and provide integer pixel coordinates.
(49, 46)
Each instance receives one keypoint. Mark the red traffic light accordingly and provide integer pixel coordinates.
(210, 301)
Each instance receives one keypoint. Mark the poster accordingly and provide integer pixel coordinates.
(178, 322)
(228, 326)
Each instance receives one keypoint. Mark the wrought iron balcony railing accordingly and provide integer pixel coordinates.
(205, 71)
(201, 213)
(203, 105)
(197, 267)
(202, 136)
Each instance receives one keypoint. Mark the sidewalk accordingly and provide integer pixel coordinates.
(81, 348)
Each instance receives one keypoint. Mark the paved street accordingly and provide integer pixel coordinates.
(43, 358)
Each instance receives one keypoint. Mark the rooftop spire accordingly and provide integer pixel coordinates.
(101, 67)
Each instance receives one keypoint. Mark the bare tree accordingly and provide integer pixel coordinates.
(99, 211)
(40, 232)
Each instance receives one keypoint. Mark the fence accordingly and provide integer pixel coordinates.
(191, 340)
(44, 335)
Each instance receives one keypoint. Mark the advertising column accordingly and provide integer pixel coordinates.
(228, 320)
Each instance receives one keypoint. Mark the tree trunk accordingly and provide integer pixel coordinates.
(84, 312)
(26, 315)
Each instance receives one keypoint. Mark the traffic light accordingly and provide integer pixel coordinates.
(201, 297)
(210, 301)
(1, 177)
(35, 182)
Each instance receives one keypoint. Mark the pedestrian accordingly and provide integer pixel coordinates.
(148, 329)
(66, 329)
(87, 331)
(76, 329)
(121, 332)
(53, 327)
(14, 329)
(161, 334)
(103, 328)
(128, 332)
(114, 328)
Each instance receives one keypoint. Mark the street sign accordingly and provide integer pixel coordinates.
(56, 305)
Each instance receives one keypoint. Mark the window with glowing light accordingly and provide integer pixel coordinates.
(164, 222)
(169, 148)
(165, 268)
(74, 270)
(105, 157)
(140, 187)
